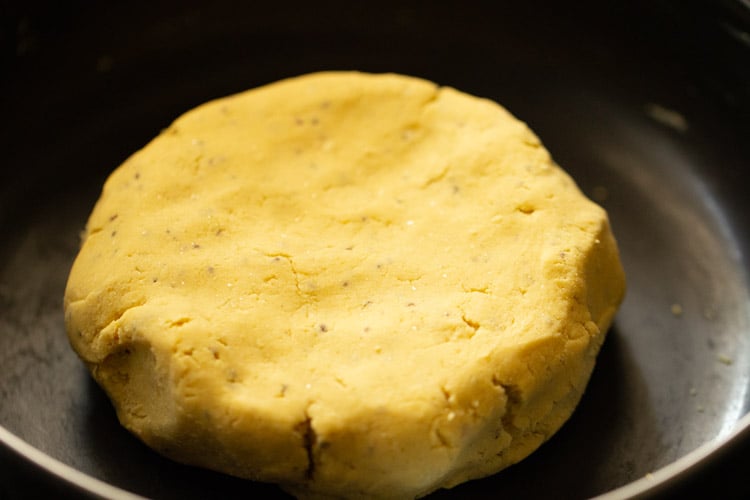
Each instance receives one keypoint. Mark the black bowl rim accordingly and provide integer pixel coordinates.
(652, 484)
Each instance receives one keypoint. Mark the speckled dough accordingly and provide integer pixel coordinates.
(352, 285)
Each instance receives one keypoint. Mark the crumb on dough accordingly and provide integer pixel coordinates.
(668, 117)
(724, 359)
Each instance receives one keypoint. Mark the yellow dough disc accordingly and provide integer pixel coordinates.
(352, 285)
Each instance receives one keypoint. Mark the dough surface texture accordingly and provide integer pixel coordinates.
(352, 285)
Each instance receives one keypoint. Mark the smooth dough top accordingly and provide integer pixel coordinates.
(353, 285)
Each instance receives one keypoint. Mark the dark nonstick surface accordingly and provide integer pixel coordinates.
(646, 105)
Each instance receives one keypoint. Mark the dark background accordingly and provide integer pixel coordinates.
(104, 77)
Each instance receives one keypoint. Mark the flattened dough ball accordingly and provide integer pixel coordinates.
(352, 285)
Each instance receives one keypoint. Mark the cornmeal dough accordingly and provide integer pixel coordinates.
(352, 285)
